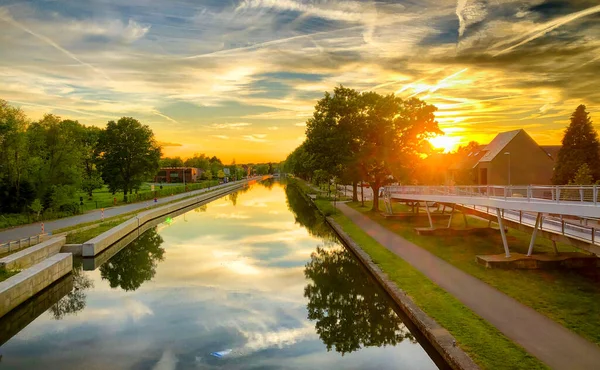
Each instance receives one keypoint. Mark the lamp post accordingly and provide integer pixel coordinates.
(508, 154)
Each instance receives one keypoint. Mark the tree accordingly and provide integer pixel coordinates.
(136, 263)
(221, 175)
(128, 154)
(92, 178)
(172, 162)
(74, 301)
(198, 161)
(583, 176)
(350, 311)
(580, 145)
(14, 157)
(333, 134)
(393, 139)
(56, 148)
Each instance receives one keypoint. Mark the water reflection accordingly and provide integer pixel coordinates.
(306, 215)
(349, 310)
(136, 263)
(74, 301)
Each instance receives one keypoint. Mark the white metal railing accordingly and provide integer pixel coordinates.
(567, 195)
(556, 225)
(585, 194)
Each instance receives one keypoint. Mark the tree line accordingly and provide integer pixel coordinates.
(364, 136)
(44, 163)
(356, 137)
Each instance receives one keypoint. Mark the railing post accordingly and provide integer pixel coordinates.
(562, 224)
(593, 233)
(595, 191)
(557, 194)
(520, 217)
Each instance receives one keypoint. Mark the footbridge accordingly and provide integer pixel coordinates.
(570, 212)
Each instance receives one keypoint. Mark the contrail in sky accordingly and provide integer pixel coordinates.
(546, 27)
(269, 43)
(47, 40)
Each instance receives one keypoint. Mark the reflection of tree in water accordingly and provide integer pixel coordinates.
(74, 301)
(136, 263)
(349, 309)
(306, 215)
(201, 208)
(233, 198)
(268, 183)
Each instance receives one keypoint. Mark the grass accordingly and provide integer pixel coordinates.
(565, 296)
(489, 348)
(5, 274)
(85, 235)
(103, 198)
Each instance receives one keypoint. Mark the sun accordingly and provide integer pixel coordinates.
(448, 143)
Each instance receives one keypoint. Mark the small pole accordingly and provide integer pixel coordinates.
(102, 214)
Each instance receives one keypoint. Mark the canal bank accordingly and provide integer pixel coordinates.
(485, 344)
(247, 281)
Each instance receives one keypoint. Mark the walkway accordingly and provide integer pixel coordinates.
(552, 343)
(26, 231)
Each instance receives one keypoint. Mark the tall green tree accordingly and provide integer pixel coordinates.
(333, 134)
(92, 178)
(16, 192)
(128, 154)
(56, 165)
(580, 145)
(171, 162)
(394, 137)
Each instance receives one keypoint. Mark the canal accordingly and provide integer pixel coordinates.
(254, 280)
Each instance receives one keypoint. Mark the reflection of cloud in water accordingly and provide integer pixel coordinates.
(168, 361)
(255, 203)
(232, 216)
(279, 338)
(137, 309)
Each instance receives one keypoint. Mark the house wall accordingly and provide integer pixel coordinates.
(529, 164)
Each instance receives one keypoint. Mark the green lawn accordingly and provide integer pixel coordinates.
(85, 235)
(489, 348)
(567, 297)
(103, 198)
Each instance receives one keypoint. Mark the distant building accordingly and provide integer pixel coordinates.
(176, 174)
(512, 158)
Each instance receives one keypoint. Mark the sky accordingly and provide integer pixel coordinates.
(239, 78)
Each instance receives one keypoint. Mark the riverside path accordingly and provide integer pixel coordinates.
(549, 341)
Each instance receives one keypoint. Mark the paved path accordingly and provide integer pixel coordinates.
(552, 343)
(35, 229)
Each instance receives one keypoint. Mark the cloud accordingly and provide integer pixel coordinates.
(256, 138)
(166, 143)
(230, 126)
(224, 137)
(543, 29)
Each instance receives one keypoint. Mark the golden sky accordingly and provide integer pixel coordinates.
(238, 79)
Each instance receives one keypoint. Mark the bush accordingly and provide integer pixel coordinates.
(69, 208)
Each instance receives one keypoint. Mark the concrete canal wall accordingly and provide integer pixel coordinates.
(24, 285)
(98, 244)
(32, 255)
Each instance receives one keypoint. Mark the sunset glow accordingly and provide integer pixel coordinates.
(239, 79)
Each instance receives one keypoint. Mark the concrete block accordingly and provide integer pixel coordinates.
(24, 285)
(32, 255)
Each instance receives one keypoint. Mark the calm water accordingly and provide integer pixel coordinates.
(251, 281)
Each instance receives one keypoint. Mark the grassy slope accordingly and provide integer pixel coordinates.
(566, 297)
(489, 348)
(4, 274)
